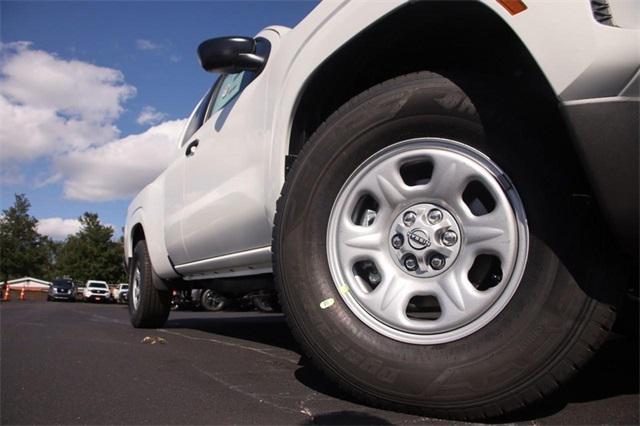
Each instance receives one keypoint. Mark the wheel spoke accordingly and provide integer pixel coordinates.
(458, 299)
(449, 179)
(451, 289)
(386, 184)
(490, 233)
(360, 242)
(390, 299)
(389, 191)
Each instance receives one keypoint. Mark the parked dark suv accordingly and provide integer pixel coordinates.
(62, 289)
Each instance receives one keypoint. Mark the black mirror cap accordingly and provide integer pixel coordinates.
(229, 55)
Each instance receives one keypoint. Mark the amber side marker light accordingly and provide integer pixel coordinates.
(513, 6)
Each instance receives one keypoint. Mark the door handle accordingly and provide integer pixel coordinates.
(191, 148)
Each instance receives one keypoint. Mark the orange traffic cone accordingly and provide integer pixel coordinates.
(7, 294)
(22, 294)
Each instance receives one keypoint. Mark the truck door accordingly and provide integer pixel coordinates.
(224, 189)
(174, 181)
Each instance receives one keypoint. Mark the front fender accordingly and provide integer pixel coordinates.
(146, 211)
(603, 58)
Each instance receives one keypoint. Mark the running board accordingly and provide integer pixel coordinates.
(250, 262)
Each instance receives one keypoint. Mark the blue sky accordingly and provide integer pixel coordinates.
(145, 54)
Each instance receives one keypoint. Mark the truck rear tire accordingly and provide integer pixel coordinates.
(212, 301)
(470, 320)
(148, 306)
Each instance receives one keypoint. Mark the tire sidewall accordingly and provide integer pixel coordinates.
(154, 305)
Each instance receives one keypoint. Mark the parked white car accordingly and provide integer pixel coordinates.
(120, 293)
(442, 191)
(96, 291)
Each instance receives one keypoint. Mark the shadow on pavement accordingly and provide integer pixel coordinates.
(613, 371)
(347, 418)
(267, 329)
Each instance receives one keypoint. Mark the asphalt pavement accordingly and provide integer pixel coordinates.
(77, 363)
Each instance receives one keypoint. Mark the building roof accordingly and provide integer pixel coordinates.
(27, 282)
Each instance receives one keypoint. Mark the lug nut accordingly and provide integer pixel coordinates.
(411, 263)
(449, 238)
(409, 218)
(397, 241)
(434, 216)
(437, 262)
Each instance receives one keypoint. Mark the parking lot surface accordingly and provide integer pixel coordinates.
(76, 363)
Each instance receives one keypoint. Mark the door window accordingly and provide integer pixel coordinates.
(231, 85)
(197, 116)
(229, 88)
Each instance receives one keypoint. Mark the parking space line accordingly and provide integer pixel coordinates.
(230, 344)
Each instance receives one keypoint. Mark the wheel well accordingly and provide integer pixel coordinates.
(137, 234)
(465, 42)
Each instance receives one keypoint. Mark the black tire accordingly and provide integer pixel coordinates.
(560, 313)
(212, 302)
(154, 305)
(265, 303)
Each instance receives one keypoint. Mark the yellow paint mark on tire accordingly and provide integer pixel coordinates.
(327, 303)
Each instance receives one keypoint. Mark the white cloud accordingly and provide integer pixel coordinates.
(143, 44)
(119, 169)
(65, 111)
(50, 105)
(149, 115)
(28, 133)
(58, 228)
(70, 87)
(164, 49)
(45, 180)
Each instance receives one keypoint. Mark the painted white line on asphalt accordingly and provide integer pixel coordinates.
(230, 344)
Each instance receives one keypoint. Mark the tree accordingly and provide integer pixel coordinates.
(52, 248)
(91, 253)
(23, 251)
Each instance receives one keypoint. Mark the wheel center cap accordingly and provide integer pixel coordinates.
(424, 240)
(418, 239)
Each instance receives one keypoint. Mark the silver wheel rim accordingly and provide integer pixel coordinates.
(136, 288)
(450, 302)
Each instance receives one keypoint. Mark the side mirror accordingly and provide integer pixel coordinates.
(230, 55)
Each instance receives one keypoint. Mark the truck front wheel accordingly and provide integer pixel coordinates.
(426, 266)
(148, 306)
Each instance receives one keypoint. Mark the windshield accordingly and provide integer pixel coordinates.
(97, 285)
(62, 284)
(125, 287)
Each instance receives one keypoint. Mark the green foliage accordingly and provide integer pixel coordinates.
(50, 271)
(23, 251)
(91, 253)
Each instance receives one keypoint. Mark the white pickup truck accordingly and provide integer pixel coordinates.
(121, 292)
(96, 291)
(444, 193)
